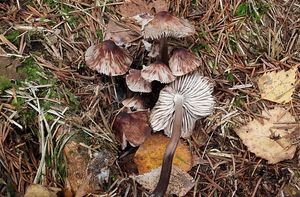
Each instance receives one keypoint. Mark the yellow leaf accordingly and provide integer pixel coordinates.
(271, 139)
(150, 153)
(36, 190)
(278, 87)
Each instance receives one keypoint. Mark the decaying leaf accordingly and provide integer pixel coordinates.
(180, 182)
(133, 7)
(132, 127)
(77, 160)
(36, 190)
(8, 68)
(84, 175)
(97, 173)
(270, 139)
(278, 87)
(120, 35)
(150, 154)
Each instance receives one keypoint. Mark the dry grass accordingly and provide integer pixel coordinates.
(238, 41)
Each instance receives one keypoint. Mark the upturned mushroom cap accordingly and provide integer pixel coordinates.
(165, 24)
(107, 58)
(136, 83)
(136, 102)
(157, 71)
(196, 93)
(182, 62)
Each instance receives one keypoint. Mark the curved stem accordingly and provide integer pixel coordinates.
(163, 50)
(166, 168)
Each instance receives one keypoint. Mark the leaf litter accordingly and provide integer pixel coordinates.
(271, 138)
(278, 86)
(134, 7)
(150, 154)
(180, 181)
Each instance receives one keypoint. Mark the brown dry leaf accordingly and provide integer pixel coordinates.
(180, 182)
(77, 160)
(120, 35)
(36, 190)
(150, 154)
(8, 68)
(133, 7)
(270, 139)
(132, 127)
(278, 87)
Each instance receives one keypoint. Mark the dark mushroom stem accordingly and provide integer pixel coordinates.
(165, 173)
(163, 50)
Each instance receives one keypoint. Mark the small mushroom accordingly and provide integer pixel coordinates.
(157, 71)
(182, 62)
(136, 83)
(165, 25)
(179, 105)
(135, 103)
(107, 58)
(131, 127)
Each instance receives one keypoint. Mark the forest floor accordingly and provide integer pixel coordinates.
(56, 113)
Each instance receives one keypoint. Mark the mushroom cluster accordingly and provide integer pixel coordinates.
(183, 97)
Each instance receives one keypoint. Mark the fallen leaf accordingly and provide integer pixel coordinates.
(120, 35)
(84, 175)
(97, 173)
(132, 127)
(8, 67)
(36, 190)
(150, 154)
(278, 87)
(77, 160)
(133, 7)
(270, 139)
(180, 182)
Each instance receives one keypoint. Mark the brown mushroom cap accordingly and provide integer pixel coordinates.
(132, 127)
(136, 83)
(182, 62)
(157, 71)
(165, 24)
(107, 58)
(195, 92)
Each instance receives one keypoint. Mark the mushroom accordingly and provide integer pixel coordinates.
(136, 83)
(179, 105)
(182, 62)
(107, 58)
(165, 25)
(135, 103)
(157, 71)
(131, 127)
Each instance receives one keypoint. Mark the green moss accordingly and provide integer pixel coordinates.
(229, 76)
(14, 37)
(202, 46)
(51, 3)
(99, 34)
(4, 83)
(242, 9)
(239, 100)
(31, 70)
(18, 103)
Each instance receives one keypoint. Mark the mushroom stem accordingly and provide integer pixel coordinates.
(165, 173)
(163, 50)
